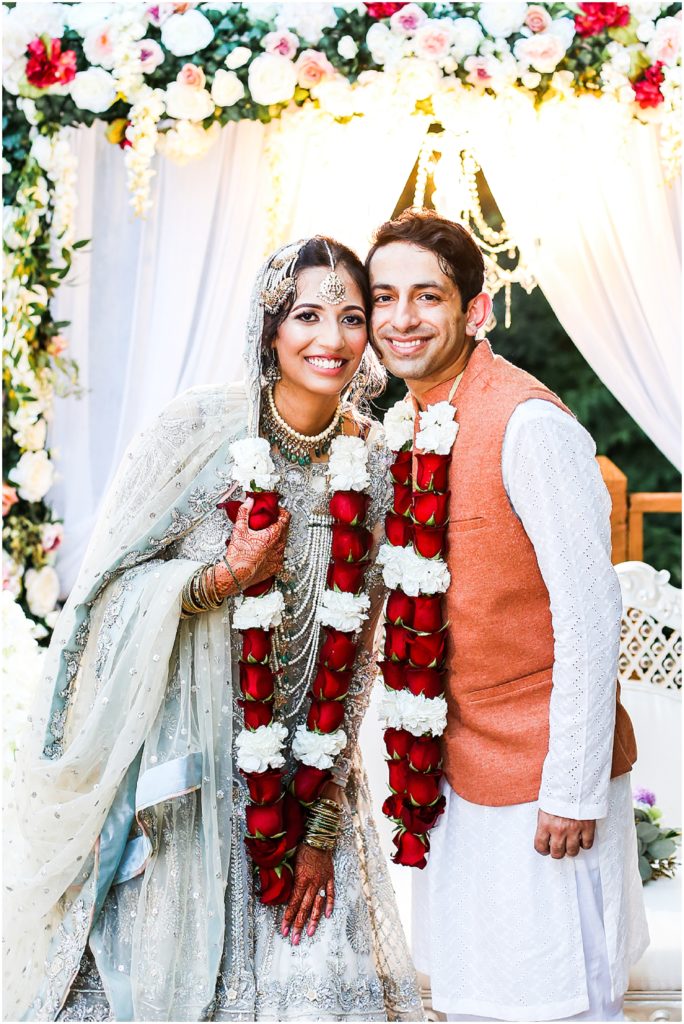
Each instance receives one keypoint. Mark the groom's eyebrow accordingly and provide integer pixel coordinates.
(420, 284)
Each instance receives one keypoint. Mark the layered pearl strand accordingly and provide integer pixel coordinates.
(292, 445)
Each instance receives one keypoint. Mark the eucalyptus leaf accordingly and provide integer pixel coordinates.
(647, 831)
(661, 849)
(645, 869)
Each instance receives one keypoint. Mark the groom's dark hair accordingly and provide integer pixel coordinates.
(453, 245)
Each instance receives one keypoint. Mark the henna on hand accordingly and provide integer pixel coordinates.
(313, 872)
(254, 555)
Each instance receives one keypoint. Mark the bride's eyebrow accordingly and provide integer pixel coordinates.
(315, 305)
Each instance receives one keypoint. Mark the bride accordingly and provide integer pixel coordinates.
(195, 838)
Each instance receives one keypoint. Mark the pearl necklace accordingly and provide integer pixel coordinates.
(296, 447)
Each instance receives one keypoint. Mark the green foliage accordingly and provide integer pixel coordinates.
(657, 844)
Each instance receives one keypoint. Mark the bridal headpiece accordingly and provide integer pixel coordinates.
(332, 289)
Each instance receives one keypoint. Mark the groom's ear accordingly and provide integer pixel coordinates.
(478, 311)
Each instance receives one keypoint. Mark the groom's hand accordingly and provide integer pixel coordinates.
(561, 836)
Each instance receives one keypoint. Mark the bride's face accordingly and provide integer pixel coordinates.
(320, 346)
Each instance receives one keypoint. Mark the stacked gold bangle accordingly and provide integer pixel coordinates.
(200, 594)
(323, 827)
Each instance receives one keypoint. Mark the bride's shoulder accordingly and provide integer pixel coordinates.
(207, 403)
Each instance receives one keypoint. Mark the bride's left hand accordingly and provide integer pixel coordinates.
(313, 874)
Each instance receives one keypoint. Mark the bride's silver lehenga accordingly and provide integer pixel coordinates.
(357, 965)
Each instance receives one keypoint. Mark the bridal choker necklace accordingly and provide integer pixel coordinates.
(296, 447)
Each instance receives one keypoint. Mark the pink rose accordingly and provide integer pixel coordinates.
(408, 19)
(191, 75)
(57, 344)
(433, 39)
(542, 52)
(312, 67)
(98, 46)
(479, 71)
(285, 43)
(666, 43)
(150, 55)
(51, 536)
(537, 18)
(9, 498)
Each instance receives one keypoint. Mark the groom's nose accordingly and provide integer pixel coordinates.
(405, 315)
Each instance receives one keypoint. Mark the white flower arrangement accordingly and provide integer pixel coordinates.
(348, 464)
(34, 475)
(253, 467)
(183, 34)
(398, 424)
(437, 429)
(262, 748)
(263, 612)
(404, 569)
(418, 714)
(42, 590)
(318, 749)
(343, 611)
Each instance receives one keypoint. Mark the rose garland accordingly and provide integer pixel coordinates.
(413, 709)
(275, 818)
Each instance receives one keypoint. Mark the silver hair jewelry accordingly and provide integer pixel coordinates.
(332, 289)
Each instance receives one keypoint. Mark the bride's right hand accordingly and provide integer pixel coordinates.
(253, 555)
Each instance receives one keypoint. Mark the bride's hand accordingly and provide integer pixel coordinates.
(253, 555)
(313, 874)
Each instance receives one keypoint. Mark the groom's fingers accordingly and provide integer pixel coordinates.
(542, 838)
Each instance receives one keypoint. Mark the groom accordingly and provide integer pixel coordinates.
(530, 907)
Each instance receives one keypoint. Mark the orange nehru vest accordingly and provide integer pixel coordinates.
(500, 653)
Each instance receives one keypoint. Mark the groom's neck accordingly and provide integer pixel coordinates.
(421, 387)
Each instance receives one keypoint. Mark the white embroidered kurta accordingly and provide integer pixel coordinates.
(496, 926)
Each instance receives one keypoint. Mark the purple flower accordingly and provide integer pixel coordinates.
(645, 796)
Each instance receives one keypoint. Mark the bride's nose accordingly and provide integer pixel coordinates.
(332, 337)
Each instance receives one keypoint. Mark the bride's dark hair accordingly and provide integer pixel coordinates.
(371, 377)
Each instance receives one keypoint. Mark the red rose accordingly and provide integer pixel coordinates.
(265, 821)
(427, 651)
(647, 88)
(329, 685)
(47, 65)
(429, 541)
(432, 472)
(325, 715)
(347, 576)
(266, 853)
(393, 673)
(399, 610)
(264, 511)
(308, 783)
(398, 530)
(231, 508)
(398, 742)
(428, 613)
(295, 821)
(349, 507)
(400, 470)
(350, 543)
(338, 650)
(420, 820)
(275, 884)
(425, 754)
(596, 17)
(264, 787)
(256, 645)
(427, 681)
(398, 774)
(403, 495)
(393, 806)
(431, 509)
(411, 850)
(397, 642)
(257, 712)
(257, 589)
(423, 787)
(383, 10)
(256, 681)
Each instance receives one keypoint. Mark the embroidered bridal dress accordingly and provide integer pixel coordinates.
(130, 893)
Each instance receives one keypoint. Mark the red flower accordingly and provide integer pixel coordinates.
(325, 715)
(256, 681)
(427, 615)
(264, 787)
(257, 712)
(383, 10)
(265, 821)
(398, 742)
(266, 853)
(432, 472)
(393, 806)
(398, 530)
(350, 543)
(427, 651)
(429, 541)
(394, 674)
(257, 589)
(275, 884)
(423, 787)
(264, 511)
(308, 783)
(256, 645)
(427, 681)
(346, 576)
(647, 88)
(329, 685)
(397, 641)
(47, 65)
(338, 650)
(420, 820)
(403, 495)
(398, 774)
(349, 507)
(431, 509)
(399, 610)
(231, 508)
(400, 470)
(295, 820)
(425, 754)
(411, 850)
(596, 17)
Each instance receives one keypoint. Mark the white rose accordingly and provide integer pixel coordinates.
(620, 58)
(644, 10)
(183, 34)
(42, 590)
(502, 19)
(34, 475)
(348, 464)
(467, 36)
(272, 78)
(262, 12)
(238, 57)
(253, 467)
(263, 612)
(530, 79)
(13, 75)
(188, 103)
(82, 17)
(308, 20)
(343, 611)
(94, 89)
(398, 424)
(666, 43)
(347, 48)
(31, 436)
(385, 47)
(542, 51)
(226, 89)
(564, 28)
(262, 748)
(318, 749)
(437, 428)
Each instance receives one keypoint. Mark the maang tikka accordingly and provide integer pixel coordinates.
(332, 289)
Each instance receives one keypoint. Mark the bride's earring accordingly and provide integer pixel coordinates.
(272, 370)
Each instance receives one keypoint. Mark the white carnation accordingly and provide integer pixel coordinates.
(406, 570)
(226, 89)
(263, 612)
(94, 89)
(348, 464)
(502, 19)
(438, 429)
(272, 78)
(42, 590)
(187, 33)
(253, 466)
(34, 475)
(187, 103)
(238, 57)
(346, 612)
(318, 749)
(418, 714)
(398, 424)
(262, 748)
(467, 36)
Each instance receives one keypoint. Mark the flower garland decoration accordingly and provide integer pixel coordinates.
(656, 843)
(276, 818)
(413, 709)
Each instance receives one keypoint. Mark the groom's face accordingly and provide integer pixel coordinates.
(417, 322)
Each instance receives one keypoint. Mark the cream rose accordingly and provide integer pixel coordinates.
(188, 103)
(192, 76)
(271, 79)
(666, 43)
(347, 48)
(94, 89)
(34, 475)
(31, 436)
(537, 18)
(238, 57)
(433, 39)
(183, 34)
(467, 35)
(42, 590)
(99, 45)
(226, 89)
(542, 52)
(502, 19)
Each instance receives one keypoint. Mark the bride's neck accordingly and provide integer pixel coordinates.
(303, 410)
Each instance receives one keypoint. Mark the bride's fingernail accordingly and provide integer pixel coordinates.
(285, 930)
(310, 930)
(295, 940)
(328, 913)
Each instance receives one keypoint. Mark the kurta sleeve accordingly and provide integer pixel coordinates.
(555, 487)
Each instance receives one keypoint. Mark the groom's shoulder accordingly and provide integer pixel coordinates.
(507, 378)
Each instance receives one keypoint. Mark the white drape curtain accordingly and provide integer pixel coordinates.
(581, 186)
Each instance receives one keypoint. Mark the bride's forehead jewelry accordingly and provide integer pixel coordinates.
(332, 289)
(279, 280)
